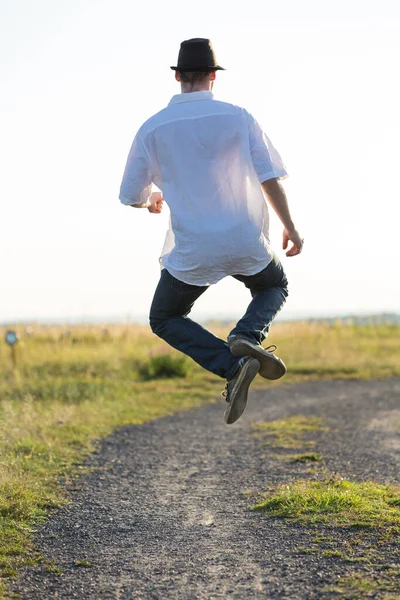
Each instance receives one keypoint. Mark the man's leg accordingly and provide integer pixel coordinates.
(172, 302)
(269, 292)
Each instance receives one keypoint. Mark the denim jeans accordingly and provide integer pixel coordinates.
(174, 299)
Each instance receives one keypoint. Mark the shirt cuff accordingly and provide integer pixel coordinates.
(145, 199)
(281, 174)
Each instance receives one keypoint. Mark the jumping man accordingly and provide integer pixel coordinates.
(216, 169)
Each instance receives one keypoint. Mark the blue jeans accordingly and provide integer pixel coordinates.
(174, 299)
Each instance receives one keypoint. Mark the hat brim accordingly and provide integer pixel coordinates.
(200, 69)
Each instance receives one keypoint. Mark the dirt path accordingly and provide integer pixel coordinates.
(168, 519)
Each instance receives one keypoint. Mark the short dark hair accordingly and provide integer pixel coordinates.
(193, 77)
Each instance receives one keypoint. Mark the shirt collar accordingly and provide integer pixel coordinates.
(190, 96)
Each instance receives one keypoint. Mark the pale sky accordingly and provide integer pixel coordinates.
(79, 77)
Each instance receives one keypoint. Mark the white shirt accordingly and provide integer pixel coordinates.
(208, 158)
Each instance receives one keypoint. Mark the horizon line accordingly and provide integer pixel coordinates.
(141, 319)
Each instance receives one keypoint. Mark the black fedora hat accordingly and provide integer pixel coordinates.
(197, 54)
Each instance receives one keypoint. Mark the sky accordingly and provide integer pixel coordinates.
(79, 77)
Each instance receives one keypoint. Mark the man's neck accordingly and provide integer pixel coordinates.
(186, 89)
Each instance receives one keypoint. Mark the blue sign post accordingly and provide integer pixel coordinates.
(12, 338)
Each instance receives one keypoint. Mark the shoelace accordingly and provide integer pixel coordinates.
(271, 348)
(225, 392)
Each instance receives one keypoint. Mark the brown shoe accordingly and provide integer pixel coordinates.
(271, 367)
(237, 389)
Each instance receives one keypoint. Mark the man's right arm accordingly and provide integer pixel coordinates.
(277, 198)
(136, 183)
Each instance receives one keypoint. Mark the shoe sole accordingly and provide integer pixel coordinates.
(271, 367)
(239, 402)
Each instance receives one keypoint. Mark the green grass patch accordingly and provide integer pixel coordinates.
(335, 501)
(83, 563)
(165, 366)
(355, 524)
(367, 585)
(53, 569)
(290, 432)
(307, 457)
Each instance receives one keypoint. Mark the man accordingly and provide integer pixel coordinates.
(215, 168)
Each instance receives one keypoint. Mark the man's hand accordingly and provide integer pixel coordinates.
(156, 203)
(277, 198)
(293, 236)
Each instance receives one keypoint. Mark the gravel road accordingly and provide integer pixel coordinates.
(166, 515)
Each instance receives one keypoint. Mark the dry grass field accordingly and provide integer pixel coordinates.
(73, 386)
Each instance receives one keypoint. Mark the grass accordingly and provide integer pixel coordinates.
(83, 563)
(165, 366)
(364, 517)
(73, 387)
(307, 457)
(364, 520)
(331, 351)
(290, 433)
(365, 585)
(335, 501)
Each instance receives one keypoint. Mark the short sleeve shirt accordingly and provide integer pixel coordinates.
(208, 158)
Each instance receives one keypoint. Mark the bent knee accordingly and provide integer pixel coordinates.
(284, 285)
(157, 325)
(154, 324)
